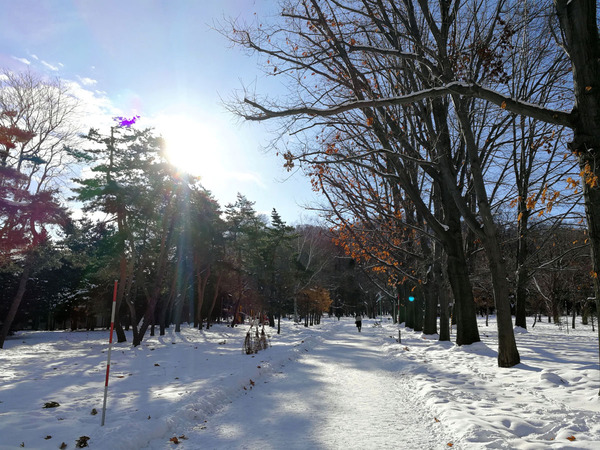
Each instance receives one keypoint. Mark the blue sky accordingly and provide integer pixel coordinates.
(160, 59)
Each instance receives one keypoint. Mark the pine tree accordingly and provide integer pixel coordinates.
(24, 216)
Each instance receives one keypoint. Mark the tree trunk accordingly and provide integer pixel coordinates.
(580, 33)
(458, 275)
(410, 314)
(120, 291)
(180, 302)
(133, 317)
(131, 303)
(442, 292)
(162, 318)
(419, 303)
(402, 300)
(444, 312)
(464, 304)
(214, 301)
(508, 355)
(178, 309)
(431, 303)
(522, 275)
(14, 307)
(201, 282)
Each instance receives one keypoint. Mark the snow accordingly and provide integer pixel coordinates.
(321, 387)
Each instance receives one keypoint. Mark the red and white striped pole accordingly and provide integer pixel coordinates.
(112, 326)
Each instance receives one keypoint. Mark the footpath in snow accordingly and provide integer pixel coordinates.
(322, 387)
(339, 392)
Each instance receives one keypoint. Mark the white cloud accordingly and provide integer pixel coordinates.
(87, 81)
(23, 60)
(96, 110)
(49, 66)
(34, 57)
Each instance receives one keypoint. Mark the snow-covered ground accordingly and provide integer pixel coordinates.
(323, 387)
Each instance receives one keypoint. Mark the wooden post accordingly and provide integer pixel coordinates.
(112, 325)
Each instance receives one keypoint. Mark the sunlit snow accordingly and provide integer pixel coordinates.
(322, 387)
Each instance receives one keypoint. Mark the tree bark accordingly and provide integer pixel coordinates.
(419, 304)
(14, 307)
(120, 290)
(214, 300)
(201, 282)
(522, 274)
(508, 354)
(458, 276)
(431, 303)
(464, 303)
(580, 32)
(444, 313)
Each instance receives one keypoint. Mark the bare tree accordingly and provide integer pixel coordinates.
(36, 123)
(48, 110)
(459, 50)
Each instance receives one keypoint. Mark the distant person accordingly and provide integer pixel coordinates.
(358, 322)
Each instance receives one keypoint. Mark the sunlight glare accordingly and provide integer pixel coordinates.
(193, 147)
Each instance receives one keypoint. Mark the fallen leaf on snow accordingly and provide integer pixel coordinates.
(82, 442)
(51, 404)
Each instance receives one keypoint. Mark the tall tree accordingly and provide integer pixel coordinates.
(459, 53)
(577, 22)
(277, 279)
(24, 218)
(243, 236)
(36, 119)
(141, 194)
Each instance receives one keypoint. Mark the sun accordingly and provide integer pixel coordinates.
(193, 147)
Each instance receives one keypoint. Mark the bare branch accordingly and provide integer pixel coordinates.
(465, 89)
